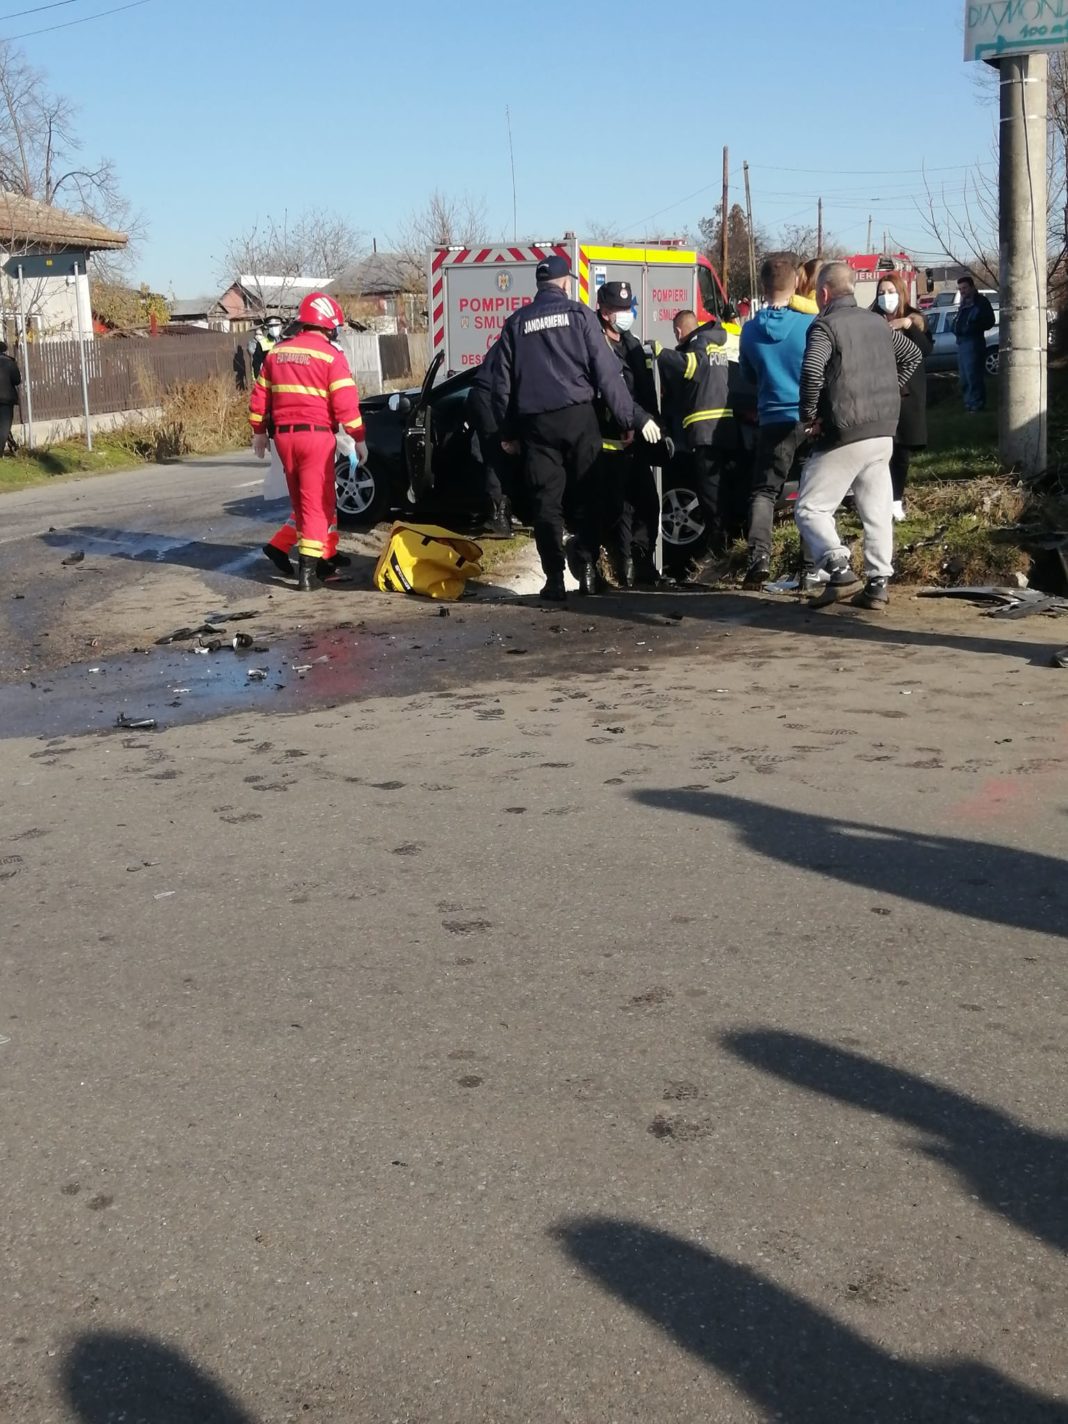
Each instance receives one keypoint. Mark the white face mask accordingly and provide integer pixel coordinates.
(274, 332)
(623, 321)
(889, 302)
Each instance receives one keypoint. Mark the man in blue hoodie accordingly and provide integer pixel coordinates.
(772, 350)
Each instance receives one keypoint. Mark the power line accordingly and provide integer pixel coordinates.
(66, 25)
(36, 10)
(866, 172)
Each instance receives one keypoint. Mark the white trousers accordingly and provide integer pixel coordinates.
(826, 479)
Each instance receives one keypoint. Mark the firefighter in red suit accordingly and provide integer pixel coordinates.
(304, 394)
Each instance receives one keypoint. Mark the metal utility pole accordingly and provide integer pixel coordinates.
(819, 228)
(724, 240)
(749, 229)
(868, 248)
(1022, 262)
(27, 384)
(81, 350)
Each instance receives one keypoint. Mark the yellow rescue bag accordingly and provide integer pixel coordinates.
(423, 558)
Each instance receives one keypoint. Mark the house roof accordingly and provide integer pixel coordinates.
(192, 306)
(280, 293)
(27, 220)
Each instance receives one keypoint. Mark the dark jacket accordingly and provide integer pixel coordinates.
(552, 355)
(854, 369)
(636, 365)
(912, 426)
(10, 380)
(698, 375)
(974, 320)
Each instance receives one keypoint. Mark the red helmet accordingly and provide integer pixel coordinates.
(317, 309)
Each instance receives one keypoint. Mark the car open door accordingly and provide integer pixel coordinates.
(419, 438)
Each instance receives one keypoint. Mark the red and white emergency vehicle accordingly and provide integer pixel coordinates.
(871, 267)
(473, 290)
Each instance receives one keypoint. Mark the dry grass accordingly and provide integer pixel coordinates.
(197, 418)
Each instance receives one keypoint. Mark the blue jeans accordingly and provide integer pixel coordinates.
(971, 362)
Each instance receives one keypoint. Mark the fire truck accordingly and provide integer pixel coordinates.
(474, 290)
(870, 267)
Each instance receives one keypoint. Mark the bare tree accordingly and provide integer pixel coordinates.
(442, 221)
(40, 156)
(281, 250)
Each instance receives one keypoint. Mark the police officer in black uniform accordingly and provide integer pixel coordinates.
(479, 412)
(552, 365)
(632, 507)
(699, 373)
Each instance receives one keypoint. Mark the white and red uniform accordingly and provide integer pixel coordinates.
(305, 393)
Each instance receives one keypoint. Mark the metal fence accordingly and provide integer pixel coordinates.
(122, 375)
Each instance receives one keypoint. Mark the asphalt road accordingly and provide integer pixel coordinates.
(650, 1010)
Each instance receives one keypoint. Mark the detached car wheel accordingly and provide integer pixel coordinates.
(362, 498)
(993, 361)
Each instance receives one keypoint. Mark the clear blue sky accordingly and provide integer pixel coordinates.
(217, 112)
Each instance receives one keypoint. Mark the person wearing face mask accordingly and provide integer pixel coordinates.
(270, 336)
(630, 503)
(892, 303)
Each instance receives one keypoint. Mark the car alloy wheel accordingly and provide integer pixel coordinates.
(681, 518)
(355, 489)
(993, 361)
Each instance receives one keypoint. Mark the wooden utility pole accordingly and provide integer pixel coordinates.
(1022, 393)
(868, 248)
(819, 229)
(724, 243)
(749, 230)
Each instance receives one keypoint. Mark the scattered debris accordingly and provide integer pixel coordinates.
(1059, 659)
(516, 652)
(164, 895)
(17, 596)
(135, 724)
(75, 558)
(444, 613)
(301, 668)
(242, 640)
(1011, 602)
(257, 674)
(180, 635)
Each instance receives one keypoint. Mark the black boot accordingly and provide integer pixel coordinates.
(499, 524)
(307, 573)
(646, 575)
(279, 559)
(586, 573)
(758, 572)
(554, 590)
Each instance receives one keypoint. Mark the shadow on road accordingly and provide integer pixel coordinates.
(1000, 884)
(109, 1377)
(790, 1358)
(1015, 1171)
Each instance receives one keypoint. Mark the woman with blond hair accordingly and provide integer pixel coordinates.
(805, 297)
(893, 305)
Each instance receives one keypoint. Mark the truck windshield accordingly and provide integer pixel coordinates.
(710, 297)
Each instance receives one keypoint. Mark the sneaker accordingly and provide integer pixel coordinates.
(899, 510)
(874, 596)
(841, 585)
(758, 572)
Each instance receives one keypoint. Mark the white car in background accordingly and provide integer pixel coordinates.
(941, 325)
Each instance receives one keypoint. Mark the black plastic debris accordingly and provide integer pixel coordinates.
(180, 635)
(75, 558)
(1059, 658)
(243, 640)
(444, 613)
(516, 652)
(135, 724)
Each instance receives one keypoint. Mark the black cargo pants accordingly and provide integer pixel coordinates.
(631, 504)
(561, 453)
(777, 447)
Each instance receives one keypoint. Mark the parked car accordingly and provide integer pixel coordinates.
(941, 324)
(420, 463)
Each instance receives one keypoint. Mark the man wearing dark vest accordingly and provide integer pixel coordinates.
(855, 368)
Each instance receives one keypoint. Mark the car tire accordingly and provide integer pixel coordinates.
(683, 526)
(362, 498)
(993, 361)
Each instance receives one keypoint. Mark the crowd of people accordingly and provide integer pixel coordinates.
(810, 386)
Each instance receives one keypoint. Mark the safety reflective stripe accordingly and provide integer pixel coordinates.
(301, 391)
(310, 548)
(699, 415)
(327, 356)
(264, 382)
(255, 419)
(690, 369)
(612, 445)
(352, 426)
(337, 385)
